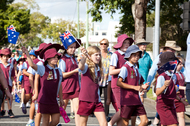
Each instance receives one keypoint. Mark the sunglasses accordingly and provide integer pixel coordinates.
(103, 43)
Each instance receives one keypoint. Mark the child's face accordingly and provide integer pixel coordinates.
(134, 58)
(71, 49)
(53, 60)
(32, 57)
(125, 45)
(96, 57)
(180, 65)
(5, 58)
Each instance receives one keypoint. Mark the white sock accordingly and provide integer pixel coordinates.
(30, 120)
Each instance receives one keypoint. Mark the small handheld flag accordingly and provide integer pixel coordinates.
(171, 65)
(17, 99)
(67, 39)
(12, 34)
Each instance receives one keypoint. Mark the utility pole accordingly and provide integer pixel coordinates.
(78, 19)
(87, 24)
(156, 29)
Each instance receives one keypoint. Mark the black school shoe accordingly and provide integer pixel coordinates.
(2, 113)
(10, 113)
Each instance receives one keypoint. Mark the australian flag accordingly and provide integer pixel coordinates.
(17, 99)
(12, 34)
(171, 65)
(67, 39)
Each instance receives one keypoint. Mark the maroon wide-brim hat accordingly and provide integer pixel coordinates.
(49, 46)
(40, 48)
(121, 39)
(6, 52)
(50, 53)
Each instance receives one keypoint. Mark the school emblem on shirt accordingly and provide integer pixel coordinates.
(50, 75)
(132, 75)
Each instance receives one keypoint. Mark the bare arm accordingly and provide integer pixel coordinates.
(31, 80)
(30, 62)
(3, 82)
(36, 83)
(113, 71)
(70, 73)
(108, 93)
(25, 72)
(160, 90)
(121, 84)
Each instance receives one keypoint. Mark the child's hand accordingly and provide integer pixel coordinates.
(167, 83)
(84, 51)
(141, 93)
(62, 104)
(183, 100)
(24, 50)
(145, 86)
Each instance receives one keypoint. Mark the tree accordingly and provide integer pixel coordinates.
(59, 27)
(18, 17)
(170, 13)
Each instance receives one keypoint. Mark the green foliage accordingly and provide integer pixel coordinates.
(53, 30)
(169, 17)
(13, 16)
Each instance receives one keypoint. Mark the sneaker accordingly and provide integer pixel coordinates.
(72, 116)
(24, 108)
(20, 105)
(138, 121)
(2, 113)
(27, 105)
(10, 113)
(59, 124)
(149, 122)
(30, 124)
(108, 119)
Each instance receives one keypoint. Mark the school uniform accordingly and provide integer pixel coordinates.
(131, 104)
(26, 83)
(32, 71)
(70, 85)
(117, 60)
(50, 80)
(165, 101)
(8, 72)
(89, 96)
(180, 107)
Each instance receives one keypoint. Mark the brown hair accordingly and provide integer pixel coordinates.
(91, 65)
(104, 39)
(155, 81)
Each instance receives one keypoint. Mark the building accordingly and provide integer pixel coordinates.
(97, 34)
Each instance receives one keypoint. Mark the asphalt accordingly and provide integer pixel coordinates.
(22, 119)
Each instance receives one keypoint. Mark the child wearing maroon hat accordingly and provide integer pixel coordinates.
(117, 61)
(70, 86)
(180, 104)
(166, 92)
(89, 97)
(131, 83)
(51, 78)
(9, 72)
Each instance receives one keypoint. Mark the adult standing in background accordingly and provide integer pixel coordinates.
(145, 62)
(103, 84)
(17, 56)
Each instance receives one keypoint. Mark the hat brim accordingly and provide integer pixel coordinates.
(119, 44)
(142, 42)
(177, 48)
(134, 51)
(56, 46)
(163, 63)
(59, 56)
(78, 44)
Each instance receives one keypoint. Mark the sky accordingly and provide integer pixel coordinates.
(67, 9)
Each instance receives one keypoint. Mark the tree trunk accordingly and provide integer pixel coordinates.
(139, 14)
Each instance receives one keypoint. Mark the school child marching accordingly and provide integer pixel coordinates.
(131, 83)
(69, 67)
(166, 91)
(9, 73)
(51, 78)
